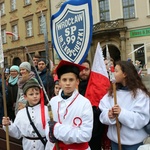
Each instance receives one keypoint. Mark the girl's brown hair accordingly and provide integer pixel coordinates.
(133, 80)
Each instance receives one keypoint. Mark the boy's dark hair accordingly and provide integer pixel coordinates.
(37, 56)
(56, 82)
(87, 61)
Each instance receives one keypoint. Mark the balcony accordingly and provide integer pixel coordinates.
(109, 26)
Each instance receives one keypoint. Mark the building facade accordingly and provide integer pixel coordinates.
(23, 19)
(123, 25)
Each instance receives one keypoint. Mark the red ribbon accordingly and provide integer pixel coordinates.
(112, 69)
(42, 109)
(75, 146)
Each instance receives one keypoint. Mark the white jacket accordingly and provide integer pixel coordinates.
(22, 127)
(134, 115)
(74, 117)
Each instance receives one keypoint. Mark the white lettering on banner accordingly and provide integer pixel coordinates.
(70, 21)
(77, 47)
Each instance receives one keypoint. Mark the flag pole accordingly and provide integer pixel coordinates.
(117, 121)
(112, 79)
(44, 29)
(50, 8)
(3, 85)
(5, 107)
(138, 48)
(48, 105)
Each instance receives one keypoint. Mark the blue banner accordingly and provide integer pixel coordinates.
(71, 29)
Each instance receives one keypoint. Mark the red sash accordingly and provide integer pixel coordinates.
(76, 146)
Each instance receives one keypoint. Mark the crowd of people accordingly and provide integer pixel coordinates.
(17, 76)
(75, 124)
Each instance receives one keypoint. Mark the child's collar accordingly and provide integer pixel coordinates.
(121, 87)
(33, 105)
(64, 96)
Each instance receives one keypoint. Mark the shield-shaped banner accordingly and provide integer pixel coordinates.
(71, 29)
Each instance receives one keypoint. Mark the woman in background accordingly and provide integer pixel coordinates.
(25, 75)
(56, 87)
(12, 91)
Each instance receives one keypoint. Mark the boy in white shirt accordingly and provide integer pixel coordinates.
(22, 124)
(72, 113)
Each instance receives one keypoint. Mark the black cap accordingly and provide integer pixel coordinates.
(67, 67)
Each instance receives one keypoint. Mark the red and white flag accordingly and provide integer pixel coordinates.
(12, 34)
(98, 82)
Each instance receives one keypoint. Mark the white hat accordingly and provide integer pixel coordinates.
(26, 65)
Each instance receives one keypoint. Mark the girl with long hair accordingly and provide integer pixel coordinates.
(132, 108)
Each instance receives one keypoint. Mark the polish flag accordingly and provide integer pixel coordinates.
(12, 34)
(98, 82)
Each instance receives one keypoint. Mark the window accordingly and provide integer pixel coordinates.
(104, 10)
(42, 54)
(139, 54)
(15, 31)
(29, 25)
(26, 2)
(28, 58)
(2, 8)
(128, 9)
(13, 5)
(42, 22)
(29, 28)
(3, 34)
(5, 61)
